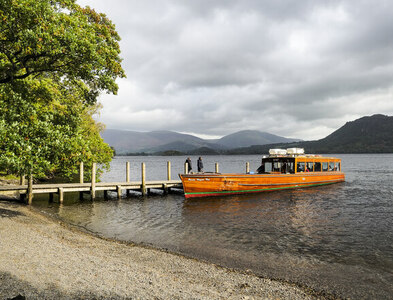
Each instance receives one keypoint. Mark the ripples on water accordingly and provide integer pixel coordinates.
(336, 238)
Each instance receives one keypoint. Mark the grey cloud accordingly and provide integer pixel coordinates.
(294, 68)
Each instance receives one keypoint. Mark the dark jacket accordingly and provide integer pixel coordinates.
(188, 161)
(200, 165)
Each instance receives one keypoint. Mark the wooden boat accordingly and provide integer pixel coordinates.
(281, 169)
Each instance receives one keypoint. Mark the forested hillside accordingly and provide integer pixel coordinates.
(372, 134)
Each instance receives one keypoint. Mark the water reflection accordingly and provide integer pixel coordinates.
(234, 205)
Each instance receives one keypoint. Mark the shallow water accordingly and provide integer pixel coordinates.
(335, 238)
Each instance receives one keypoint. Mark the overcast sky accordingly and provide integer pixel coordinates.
(297, 69)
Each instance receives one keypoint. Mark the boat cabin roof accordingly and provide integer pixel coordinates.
(308, 157)
(298, 154)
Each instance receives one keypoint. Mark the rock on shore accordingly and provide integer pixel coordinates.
(42, 259)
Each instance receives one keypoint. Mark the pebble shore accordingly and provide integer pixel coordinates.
(41, 258)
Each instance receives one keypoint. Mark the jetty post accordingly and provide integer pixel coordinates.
(127, 176)
(118, 189)
(93, 182)
(168, 169)
(61, 194)
(165, 186)
(127, 171)
(247, 167)
(30, 189)
(217, 170)
(143, 185)
(81, 180)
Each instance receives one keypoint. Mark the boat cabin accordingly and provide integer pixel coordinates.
(293, 160)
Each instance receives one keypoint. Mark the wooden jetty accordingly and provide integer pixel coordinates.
(92, 187)
(26, 191)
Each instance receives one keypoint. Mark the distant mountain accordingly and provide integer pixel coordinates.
(123, 140)
(133, 141)
(163, 141)
(247, 138)
(371, 134)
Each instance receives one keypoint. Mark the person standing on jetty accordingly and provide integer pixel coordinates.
(189, 165)
(200, 164)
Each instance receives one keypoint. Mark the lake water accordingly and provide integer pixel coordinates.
(336, 238)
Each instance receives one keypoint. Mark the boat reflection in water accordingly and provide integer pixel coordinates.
(290, 211)
(288, 234)
(282, 169)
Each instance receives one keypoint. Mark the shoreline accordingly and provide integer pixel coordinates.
(42, 257)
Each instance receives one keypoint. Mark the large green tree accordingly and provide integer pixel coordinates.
(55, 59)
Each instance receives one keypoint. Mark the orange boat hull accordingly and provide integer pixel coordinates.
(203, 185)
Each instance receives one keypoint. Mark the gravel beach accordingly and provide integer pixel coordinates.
(41, 258)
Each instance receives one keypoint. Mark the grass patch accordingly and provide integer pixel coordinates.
(4, 176)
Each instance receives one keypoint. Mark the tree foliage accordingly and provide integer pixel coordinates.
(55, 59)
(50, 135)
(62, 38)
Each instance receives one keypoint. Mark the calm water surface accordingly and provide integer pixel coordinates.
(336, 238)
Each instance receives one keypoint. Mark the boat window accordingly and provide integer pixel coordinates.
(290, 167)
(338, 166)
(317, 167)
(301, 166)
(277, 165)
(286, 167)
(268, 167)
(324, 166)
(310, 167)
(331, 166)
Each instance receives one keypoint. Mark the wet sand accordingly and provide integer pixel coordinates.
(44, 258)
